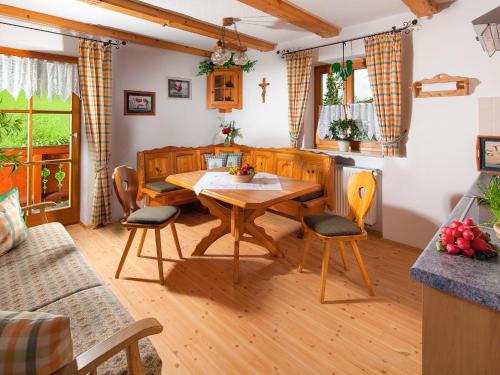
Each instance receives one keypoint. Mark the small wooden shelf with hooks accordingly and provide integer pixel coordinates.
(461, 86)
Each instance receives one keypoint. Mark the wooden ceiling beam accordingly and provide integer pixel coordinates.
(422, 8)
(96, 30)
(291, 13)
(179, 21)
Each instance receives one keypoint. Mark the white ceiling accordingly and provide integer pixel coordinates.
(339, 12)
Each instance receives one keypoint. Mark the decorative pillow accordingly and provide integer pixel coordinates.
(34, 343)
(233, 158)
(13, 230)
(215, 161)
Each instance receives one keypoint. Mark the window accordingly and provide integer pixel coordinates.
(44, 133)
(329, 89)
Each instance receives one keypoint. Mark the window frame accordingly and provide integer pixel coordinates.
(366, 147)
(66, 215)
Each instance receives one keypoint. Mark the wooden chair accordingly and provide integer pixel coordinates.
(332, 228)
(155, 218)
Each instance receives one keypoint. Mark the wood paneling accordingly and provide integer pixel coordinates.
(459, 337)
(158, 166)
(179, 21)
(264, 161)
(270, 323)
(48, 20)
(422, 8)
(186, 161)
(291, 13)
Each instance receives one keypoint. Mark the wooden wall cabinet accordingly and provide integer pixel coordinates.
(225, 89)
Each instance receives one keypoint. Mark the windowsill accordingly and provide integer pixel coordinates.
(371, 154)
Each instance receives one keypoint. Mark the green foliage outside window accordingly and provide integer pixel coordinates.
(334, 89)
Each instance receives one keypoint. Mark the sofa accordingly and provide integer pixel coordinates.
(154, 166)
(48, 273)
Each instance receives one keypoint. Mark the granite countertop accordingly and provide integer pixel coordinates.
(470, 279)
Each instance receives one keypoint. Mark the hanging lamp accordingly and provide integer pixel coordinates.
(225, 50)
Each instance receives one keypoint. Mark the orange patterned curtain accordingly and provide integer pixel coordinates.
(383, 60)
(96, 86)
(299, 75)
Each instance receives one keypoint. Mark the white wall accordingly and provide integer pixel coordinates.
(420, 189)
(177, 122)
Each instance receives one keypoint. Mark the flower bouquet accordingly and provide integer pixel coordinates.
(229, 131)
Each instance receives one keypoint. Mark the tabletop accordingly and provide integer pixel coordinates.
(292, 188)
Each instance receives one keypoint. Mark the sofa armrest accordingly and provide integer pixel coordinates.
(41, 206)
(125, 339)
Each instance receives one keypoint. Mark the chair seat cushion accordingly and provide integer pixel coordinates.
(161, 186)
(309, 197)
(331, 225)
(152, 214)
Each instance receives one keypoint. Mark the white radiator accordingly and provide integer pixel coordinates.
(342, 174)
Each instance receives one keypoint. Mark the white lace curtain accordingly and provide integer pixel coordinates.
(34, 76)
(363, 112)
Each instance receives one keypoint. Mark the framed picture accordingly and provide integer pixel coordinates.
(139, 103)
(178, 88)
(488, 154)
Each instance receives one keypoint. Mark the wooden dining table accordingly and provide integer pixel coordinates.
(245, 206)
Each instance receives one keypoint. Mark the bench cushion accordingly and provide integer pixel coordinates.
(95, 314)
(162, 186)
(152, 215)
(331, 225)
(309, 197)
(39, 280)
(42, 238)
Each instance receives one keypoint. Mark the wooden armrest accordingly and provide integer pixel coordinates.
(126, 338)
(41, 206)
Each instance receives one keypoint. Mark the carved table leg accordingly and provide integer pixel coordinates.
(259, 233)
(224, 214)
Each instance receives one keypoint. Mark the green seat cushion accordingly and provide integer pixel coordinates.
(152, 214)
(331, 225)
(309, 197)
(161, 186)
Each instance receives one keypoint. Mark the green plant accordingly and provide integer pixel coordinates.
(9, 125)
(206, 67)
(334, 89)
(346, 130)
(491, 197)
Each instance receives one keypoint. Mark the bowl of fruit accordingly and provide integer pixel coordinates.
(243, 173)
(465, 238)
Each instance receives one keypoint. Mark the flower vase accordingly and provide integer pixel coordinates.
(227, 141)
(496, 228)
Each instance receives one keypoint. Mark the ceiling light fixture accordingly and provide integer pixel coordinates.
(223, 51)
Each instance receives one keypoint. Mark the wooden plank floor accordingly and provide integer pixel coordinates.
(272, 321)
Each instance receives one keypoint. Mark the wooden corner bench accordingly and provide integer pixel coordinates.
(154, 166)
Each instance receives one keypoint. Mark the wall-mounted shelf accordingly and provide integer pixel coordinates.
(461, 87)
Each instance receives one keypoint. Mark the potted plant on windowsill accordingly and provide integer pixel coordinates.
(347, 133)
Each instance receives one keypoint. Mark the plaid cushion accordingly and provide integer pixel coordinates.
(215, 161)
(233, 158)
(34, 343)
(13, 230)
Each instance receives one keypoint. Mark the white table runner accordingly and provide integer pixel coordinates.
(223, 181)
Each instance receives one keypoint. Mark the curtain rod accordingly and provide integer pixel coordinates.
(109, 42)
(406, 26)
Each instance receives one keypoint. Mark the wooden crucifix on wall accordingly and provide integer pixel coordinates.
(263, 86)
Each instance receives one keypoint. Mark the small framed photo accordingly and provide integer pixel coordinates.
(178, 88)
(488, 154)
(139, 103)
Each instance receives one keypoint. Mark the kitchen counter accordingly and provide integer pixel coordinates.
(470, 279)
(461, 301)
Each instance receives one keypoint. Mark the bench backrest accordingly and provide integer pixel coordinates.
(158, 164)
